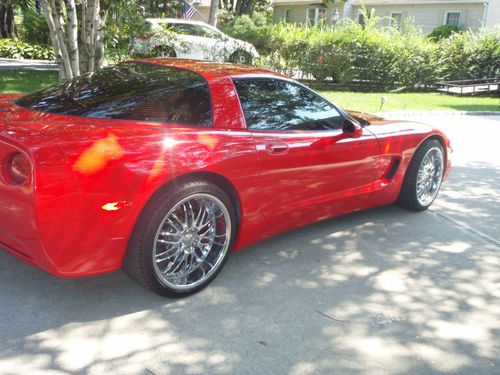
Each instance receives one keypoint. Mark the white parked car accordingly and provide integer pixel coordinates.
(169, 37)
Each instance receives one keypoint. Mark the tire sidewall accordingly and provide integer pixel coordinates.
(415, 166)
(248, 57)
(161, 205)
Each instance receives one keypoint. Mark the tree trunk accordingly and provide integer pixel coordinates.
(212, 18)
(58, 20)
(55, 40)
(76, 31)
(3, 12)
(72, 32)
(10, 23)
(7, 22)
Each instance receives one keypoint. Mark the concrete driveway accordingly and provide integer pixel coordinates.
(380, 292)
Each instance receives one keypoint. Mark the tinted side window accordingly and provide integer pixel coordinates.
(131, 91)
(183, 28)
(208, 33)
(279, 105)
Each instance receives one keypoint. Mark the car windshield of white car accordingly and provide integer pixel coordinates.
(129, 91)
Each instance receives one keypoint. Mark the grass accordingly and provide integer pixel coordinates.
(370, 102)
(12, 81)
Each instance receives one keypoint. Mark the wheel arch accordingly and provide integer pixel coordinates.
(212, 177)
(441, 140)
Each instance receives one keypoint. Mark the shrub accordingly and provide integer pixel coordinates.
(34, 28)
(254, 29)
(380, 58)
(21, 50)
(443, 32)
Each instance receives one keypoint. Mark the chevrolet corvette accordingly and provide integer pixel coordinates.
(163, 167)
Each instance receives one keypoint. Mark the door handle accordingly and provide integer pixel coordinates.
(276, 148)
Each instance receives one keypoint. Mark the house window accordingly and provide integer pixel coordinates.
(315, 15)
(288, 15)
(396, 19)
(452, 18)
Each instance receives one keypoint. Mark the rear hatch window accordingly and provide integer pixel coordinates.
(129, 91)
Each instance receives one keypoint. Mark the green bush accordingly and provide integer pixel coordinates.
(21, 50)
(34, 28)
(377, 57)
(254, 29)
(443, 32)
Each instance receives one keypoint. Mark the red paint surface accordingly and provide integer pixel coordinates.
(92, 177)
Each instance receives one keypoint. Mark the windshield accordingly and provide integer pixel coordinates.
(129, 91)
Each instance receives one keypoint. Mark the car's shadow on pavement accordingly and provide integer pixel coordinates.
(374, 289)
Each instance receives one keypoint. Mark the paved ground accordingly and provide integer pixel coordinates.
(27, 64)
(379, 292)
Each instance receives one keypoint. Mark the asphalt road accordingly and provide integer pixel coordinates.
(379, 292)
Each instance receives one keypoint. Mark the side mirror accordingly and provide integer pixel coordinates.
(351, 129)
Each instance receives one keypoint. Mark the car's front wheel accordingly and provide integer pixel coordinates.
(241, 57)
(182, 239)
(423, 177)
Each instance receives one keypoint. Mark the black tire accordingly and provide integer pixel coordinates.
(241, 57)
(163, 51)
(138, 262)
(408, 196)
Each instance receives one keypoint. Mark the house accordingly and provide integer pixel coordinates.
(309, 12)
(202, 10)
(425, 14)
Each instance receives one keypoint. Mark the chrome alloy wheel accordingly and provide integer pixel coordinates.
(430, 175)
(192, 241)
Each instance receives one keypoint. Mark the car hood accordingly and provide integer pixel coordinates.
(381, 126)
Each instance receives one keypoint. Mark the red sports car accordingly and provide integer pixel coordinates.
(166, 166)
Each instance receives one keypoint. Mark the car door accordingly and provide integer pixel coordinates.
(310, 169)
(191, 44)
(213, 43)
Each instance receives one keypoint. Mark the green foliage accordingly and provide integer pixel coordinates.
(21, 50)
(376, 57)
(443, 32)
(34, 28)
(254, 29)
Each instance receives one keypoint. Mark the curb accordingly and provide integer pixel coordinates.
(437, 113)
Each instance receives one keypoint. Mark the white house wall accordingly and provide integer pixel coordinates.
(429, 16)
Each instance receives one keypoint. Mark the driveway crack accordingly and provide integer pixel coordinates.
(468, 228)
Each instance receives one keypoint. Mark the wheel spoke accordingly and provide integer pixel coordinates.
(429, 176)
(196, 228)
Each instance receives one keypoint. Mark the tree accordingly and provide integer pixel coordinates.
(212, 18)
(76, 32)
(243, 6)
(8, 27)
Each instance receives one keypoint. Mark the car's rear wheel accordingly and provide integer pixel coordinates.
(423, 177)
(163, 51)
(241, 57)
(182, 239)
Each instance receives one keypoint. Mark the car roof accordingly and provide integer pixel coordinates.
(211, 69)
(178, 20)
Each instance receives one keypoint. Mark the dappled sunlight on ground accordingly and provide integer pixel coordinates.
(385, 291)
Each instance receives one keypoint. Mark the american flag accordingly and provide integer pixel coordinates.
(188, 11)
